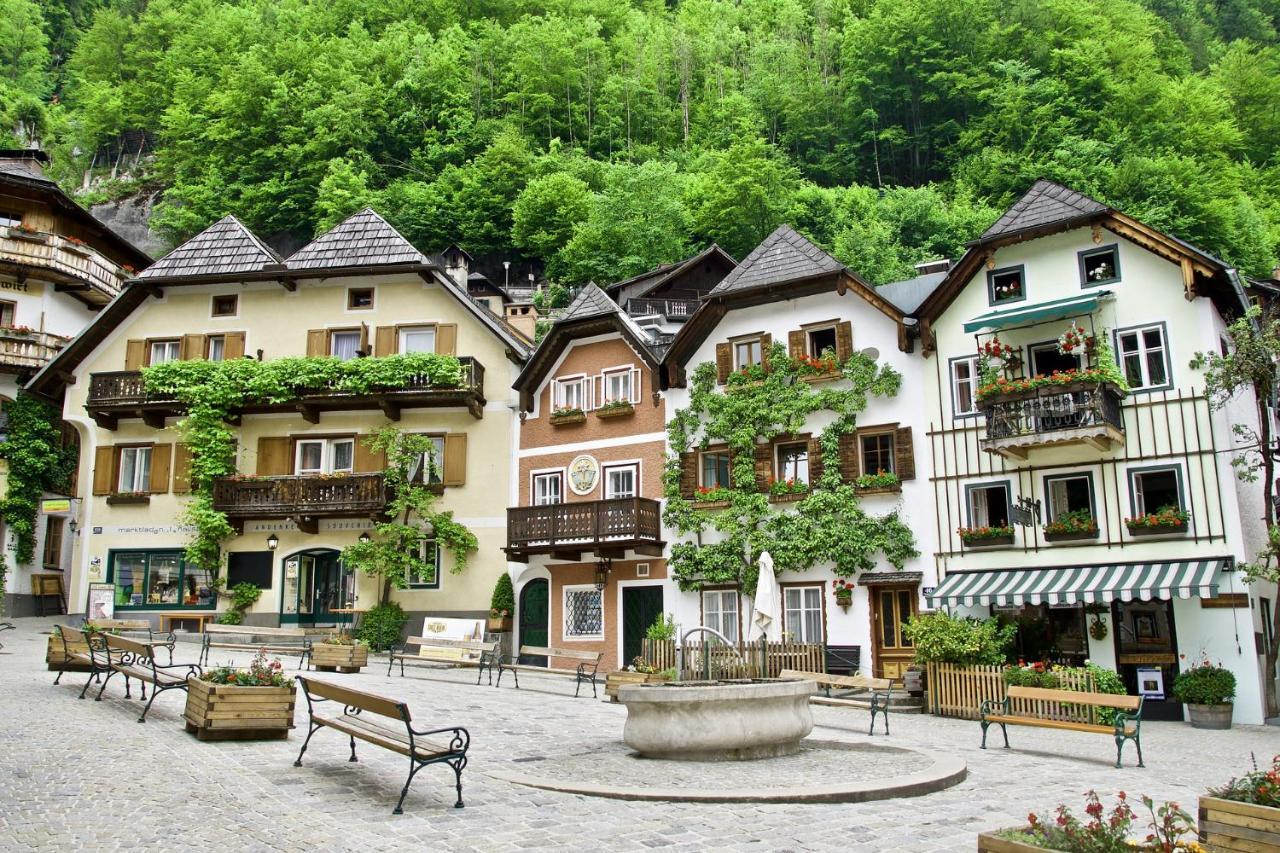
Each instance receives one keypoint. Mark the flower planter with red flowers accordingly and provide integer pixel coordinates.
(842, 591)
(986, 537)
(1071, 526)
(783, 491)
(1162, 522)
(879, 483)
(241, 704)
(31, 235)
(712, 498)
(563, 417)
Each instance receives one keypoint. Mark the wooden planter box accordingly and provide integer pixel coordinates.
(564, 420)
(337, 657)
(231, 712)
(710, 504)
(1158, 531)
(126, 500)
(616, 412)
(790, 497)
(1228, 825)
(55, 658)
(989, 842)
(879, 490)
(1071, 537)
(614, 680)
(498, 626)
(989, 542)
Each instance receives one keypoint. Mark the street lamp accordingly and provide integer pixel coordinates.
(602, 573)
(273, 542)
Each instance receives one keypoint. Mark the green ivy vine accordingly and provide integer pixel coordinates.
(212, 390)
(757, 405)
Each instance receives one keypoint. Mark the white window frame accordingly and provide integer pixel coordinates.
(1143, 352)
(799, 636)
(808, 339)
(721, 619)
(630, 373)
(141, 479)
(972, 382)
(172, 351)
(757, 342)
(422, 472)
(328, 450)
(576, 589)
(606, 470)
(1138, 504)
(536, 478)
(402, 335)
(582, 391)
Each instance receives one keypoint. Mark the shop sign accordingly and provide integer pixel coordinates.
(1025, 512)
(55, 505)
(1226, 600)
(1151, 682)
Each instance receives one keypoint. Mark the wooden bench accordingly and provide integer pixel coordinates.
(138, 627)
(136, 659)
(93, 656)
(881, 690)
(584, 672)
(280, 641)
(398, 736)
(439, 650)
(1046, 710)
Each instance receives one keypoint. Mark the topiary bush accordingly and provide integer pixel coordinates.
(1205, 684)
(503, 602)
(941, 638)
(380, 628)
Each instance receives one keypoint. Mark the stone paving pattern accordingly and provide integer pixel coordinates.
(80, 775)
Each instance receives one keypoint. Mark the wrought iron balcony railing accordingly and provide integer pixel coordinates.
(1079, 412)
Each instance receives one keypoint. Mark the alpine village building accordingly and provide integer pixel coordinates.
(58, 267)
(307, 482)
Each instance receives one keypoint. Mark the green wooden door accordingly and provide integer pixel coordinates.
(641, 607)
(535, 613)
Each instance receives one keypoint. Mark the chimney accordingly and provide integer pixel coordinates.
(457, 264)
(31, 160)
(523, 318)
(936, 265)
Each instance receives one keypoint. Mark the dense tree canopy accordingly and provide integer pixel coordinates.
(605, 136)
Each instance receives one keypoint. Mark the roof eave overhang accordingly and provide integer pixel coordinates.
(138, 258)
(558, 340)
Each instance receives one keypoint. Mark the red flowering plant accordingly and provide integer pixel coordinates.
(1076, 339)
(1002, 385)
(261, 673)
(986, 533)
(843, 592)
(822, 365)
(713, 493)
(1169, 828)
(881, 479)
(1260, 787)
(1167, 517)
(789, 486)
(1074, 521)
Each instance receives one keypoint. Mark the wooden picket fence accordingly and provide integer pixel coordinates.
(958, 691)
(740, 661)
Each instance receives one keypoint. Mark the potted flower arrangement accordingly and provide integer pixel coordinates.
(1076, 339)
(789, 488)
(1076, 524)
(843, 592)
(219, 701)
(1207, 691)
(1243, 814)
(125, 498)
(825, 366)
(562, 415)
(340, 652)
(1168, 828)
(615, 409)
(1166, 519)
(880, 481)
(639, 671)
(988, 536)
(502, 604)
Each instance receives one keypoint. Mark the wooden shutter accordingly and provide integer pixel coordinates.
(795, 343)
(181, 468)
(368, 460)
(104, 470)
(447, 338)
(766, 341)
(635, 385)
(724, 362)
(688, 474)
(364, 339)
(764, 466)
(161, 465)
(844, 340)
(815, 461)
(317, 342)
(384, 341)
(455, 459)
(904, 454)
(849, 456)
(274, 456)
(135, 355)
(232, 345)
(192, 347)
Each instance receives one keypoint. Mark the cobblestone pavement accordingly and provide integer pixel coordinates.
(86, 775)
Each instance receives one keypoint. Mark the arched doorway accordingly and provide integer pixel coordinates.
(314, 583)
(535, 615)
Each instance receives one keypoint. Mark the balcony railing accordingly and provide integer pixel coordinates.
(606, 527)
(66, 260)
(1081, 412)
(670, 309)
(303, 498)
(28, 350)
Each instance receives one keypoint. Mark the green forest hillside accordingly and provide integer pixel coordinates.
(605, 136)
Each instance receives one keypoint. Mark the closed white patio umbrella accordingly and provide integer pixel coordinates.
(764, 612)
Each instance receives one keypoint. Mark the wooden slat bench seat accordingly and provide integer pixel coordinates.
(485, 655)
(280, 641)
(422, 747)
(137, 628)
(881, 690)
(1047, 710)
(584, 672)
(94, 654)
(136, 659)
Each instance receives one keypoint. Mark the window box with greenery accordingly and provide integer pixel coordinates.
(1209, 692)
(1071, 526)
(986, 537)
(1167, 828)
(564, 417)
(340, 653)
(1244, 814)
(1164, 521)
(712, 497)
(502, 604)
(615, 409)
(881, 482)
(790, 489)
(217, 702)
(128, 498)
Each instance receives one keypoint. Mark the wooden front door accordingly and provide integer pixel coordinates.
(891, 606)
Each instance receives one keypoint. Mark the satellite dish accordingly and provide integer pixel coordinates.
(871, 353)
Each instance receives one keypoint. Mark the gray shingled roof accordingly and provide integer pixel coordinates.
(24, 169)
(362, 239)
(1044, 204)
(910, 293)
(224, 247)
(591, 301)
(783, 256)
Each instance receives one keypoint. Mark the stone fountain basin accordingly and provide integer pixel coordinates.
(717, 720)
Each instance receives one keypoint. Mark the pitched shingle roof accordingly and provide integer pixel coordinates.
(910, 293)
(783, 256)
(362, 239)
(224, 247)
(1044, 204)
(591, 301)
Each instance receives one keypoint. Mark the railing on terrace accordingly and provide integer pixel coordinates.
(267, 497)
(671, 309)
(1052, 410)
(63, 256)
(28, 349)
(583, 524)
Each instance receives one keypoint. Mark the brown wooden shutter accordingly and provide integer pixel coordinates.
(688, 474)
(455, 459)
(766, 341)
(368, 460)
(181, 468)
(724, 362)
(844, 340)
(135, 355)
(795, 343)
(904, 454)
(232, 345)
(104, 470)
(274, 456)
(849, 456)
(318, 342)
(764, 466)
(192, 347)
(447, 339)
(384, 341)
(815, 461)
(364, 339)
(161, 465)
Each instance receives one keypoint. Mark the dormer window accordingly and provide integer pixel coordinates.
(1006, 285)
(1099, 266)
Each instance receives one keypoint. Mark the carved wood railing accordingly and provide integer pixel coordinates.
(335, 495)
(584, 523)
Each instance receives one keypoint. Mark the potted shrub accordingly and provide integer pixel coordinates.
(502, 604)
(567, 415)
(241, 704)
(339, 653)
(843, 592)
(1207, 691)
(1076, 524)
(1243, 814)
(1168, 828)
(1166, 519)
(986, 537)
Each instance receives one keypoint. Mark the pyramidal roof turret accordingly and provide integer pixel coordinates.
(225, 247)
(591, 301)
(784, 256)
(1046, 203)
(362, 239)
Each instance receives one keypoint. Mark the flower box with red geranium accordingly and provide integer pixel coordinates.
(711, 497)
(1076, 340)
(824, 366)
(1063, 381)
(881, 481)
(1168, 828)
(788, 488)
(984, 537)
(1073, 525)
(843, 592)
(1165, 520)
(226, 703)
(1244, 814)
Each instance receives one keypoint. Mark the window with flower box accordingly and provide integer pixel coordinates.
(1154, 489)
(876, 452)
(989, 504)
(747, 353)
(1006, 285)
(8, 310)
(820, 340)
(716, 465)
(572, 392)
(134, 470)
(619, 386)
(1144, 357)
(1099, 266)
(793, 462)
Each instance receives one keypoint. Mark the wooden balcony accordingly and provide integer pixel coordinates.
(672, 310)
(606, 528)
(72, 267)
(305, 499)
(27, 351)
(121, 394)
(1080, 413)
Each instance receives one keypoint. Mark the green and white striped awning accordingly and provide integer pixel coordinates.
(1038, 312)
(1083, 584)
